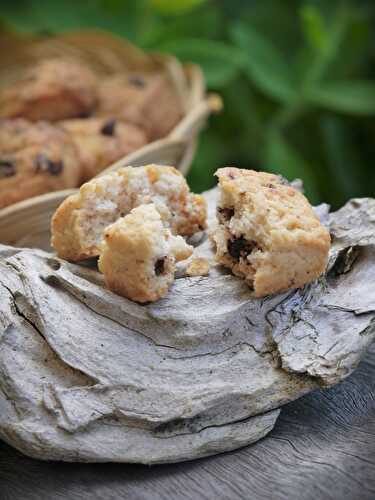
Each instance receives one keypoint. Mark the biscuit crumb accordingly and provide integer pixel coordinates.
(198, 267)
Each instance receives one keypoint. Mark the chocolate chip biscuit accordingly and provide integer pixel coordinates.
(102, 141)
(146, 100)
(53, 89)
(267, 232)
(35, 158)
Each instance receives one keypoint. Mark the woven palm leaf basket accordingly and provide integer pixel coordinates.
(27, 223)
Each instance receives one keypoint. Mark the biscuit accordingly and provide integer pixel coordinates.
(139, 253)
(148, 101)
(267, 232)
(35, 158)
(79, 223)
(102, 141)
(53, 89)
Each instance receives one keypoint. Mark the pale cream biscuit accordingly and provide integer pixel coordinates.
(80, 221)
(53, 89)
(139, 253)
(267, 232)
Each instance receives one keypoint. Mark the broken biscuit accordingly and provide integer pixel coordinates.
(139, 253)
(267, 232)
(79, 223)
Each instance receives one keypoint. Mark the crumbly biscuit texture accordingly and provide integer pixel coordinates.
(139, 253)
(102, 141)
(267, 232)
(53, 89)
(198, 266)
(80, 221)
(146, 100)
(35, 158)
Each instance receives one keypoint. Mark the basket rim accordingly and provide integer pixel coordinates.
(184, 135)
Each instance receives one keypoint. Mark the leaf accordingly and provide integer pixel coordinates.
(264, 64)
(322, 61)
(39, 15)
(219, 61)
(342, 158)
(243, 118)
(171, 7)
(282, 158)
(206, 25)
(355, 97)
(313, 26)
(357, 46)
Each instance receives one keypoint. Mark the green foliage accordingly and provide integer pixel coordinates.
(173, 7)
(297, 78)
(264, 64)
(352, 97)
(221, 62)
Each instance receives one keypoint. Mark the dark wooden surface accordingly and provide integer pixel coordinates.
(323, 447)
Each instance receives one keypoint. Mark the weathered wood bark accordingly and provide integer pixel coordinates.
(89, 376)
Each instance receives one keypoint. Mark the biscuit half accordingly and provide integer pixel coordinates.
(267, 232)
(139, 253)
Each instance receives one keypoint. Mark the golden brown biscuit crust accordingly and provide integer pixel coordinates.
(267, 232)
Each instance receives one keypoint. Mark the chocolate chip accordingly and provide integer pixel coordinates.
(85, 114)
(271, 186)
(137, 81)
(159, 267)
(55, 167)
(240, 247)
(109, 127)
(44, 164)
(226, 213)
(7, 168)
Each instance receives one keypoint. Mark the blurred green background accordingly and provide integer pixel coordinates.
(297, 78)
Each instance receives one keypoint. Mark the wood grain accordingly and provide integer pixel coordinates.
(322, 448)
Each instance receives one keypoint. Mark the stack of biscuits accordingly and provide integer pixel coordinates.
(61, 124)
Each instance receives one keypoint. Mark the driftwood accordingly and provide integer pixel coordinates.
(89, 376)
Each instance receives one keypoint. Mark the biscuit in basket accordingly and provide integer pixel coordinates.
(53, 89)
(139, 253)
(35, 158)
(267, 232)
(102, 141)
(146, 100)
(79, 223)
